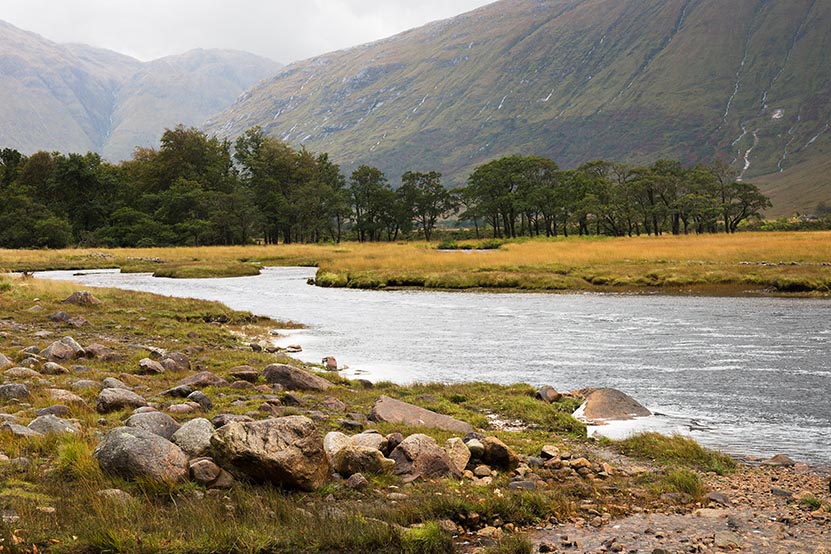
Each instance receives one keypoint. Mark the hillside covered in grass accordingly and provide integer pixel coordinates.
(574, 80)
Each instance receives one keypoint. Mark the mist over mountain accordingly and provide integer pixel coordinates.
(78, 98)
(747, 81)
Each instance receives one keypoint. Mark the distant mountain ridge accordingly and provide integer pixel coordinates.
(78, 98)
(628, 80)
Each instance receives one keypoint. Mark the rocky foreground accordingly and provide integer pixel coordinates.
(206, 427)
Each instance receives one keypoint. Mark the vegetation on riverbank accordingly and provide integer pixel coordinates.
(746, 263)
(50, 498)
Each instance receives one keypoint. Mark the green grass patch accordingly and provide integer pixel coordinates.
(676, 450)
(203, 270)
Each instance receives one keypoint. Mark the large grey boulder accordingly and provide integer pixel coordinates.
(21, 373)
(333, 442)
(610, 405)
(194, 437)
(353, 459)
(51, 368)
(112, 400)
(13, 391)
(64, 350)
(285, 451)
(420, 455)
(52, 425)
(156, 422)
(396, 411)
(132, 452)
(293, 378)
(65, 397)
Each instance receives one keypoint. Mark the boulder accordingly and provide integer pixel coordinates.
(113, 383)
(205, 472)
(549, 394)
(286, 451)
(395, 411)
(11, 391)
(293, 378)
(132, 452)
(477, 449)
(202, 380)
(65, 397)
(178, 361)
(51, 368)
(5, 363)
(50, 424)
(458, 454)
(180, 391)
(155, 422)
(116, 496)
(21, 373)
(330, 363)
(780, 460)
(223, 419)
(420, 455)
(353, 459)
(200, 398)
(194, 437)
(64, 350)
(497, 454)
(149, 367)
(60, 317)
(111, 400)
(371, 439)
(357, 481)
(55, 410)
(610, 404)
(103, 353)
(244, 373)
(19, 430)
(82, 298)
(333, 442)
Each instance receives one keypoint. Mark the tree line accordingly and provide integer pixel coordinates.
(199, 190)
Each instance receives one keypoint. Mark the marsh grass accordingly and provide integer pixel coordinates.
(676, 450)
(763, 263)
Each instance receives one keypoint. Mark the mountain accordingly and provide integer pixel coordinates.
(748, 81)
(76, 98)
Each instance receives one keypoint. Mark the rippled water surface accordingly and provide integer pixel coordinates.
(748, 375)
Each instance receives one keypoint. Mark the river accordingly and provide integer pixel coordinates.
(751, 376)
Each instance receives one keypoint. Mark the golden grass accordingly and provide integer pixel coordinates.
(784, 262)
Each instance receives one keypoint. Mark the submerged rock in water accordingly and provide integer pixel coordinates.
(610, 405)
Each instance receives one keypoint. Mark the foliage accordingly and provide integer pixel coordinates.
(676, 450)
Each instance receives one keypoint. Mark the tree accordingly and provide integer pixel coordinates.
(425, 199)
(367, 185)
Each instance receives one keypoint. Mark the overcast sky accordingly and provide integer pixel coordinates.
(284, 30)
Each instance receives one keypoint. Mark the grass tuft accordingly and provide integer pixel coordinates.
(676, 450)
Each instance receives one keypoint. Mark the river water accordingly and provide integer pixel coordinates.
(750, 376)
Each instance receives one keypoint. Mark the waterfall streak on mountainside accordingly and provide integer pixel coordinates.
(792, 134)
(794, 40)
(747, 155)
(816, 137)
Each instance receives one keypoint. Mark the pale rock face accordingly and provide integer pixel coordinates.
(286, 451)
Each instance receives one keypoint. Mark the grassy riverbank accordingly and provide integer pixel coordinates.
(746, 263)
(49, 486)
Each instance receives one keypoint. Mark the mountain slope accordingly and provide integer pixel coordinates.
(75, 98)
(629, 80)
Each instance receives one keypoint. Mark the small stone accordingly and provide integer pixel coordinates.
(549, 451)
(201, 399)
(482, 471)
(113, 383)
(549, 394)
(82, 298)
(181, 391)
(150, 367)
(50, 424)
(330, 363)
(718, 498)
(780, 460)
(727, 540)
(357, 481)
(115, 495)
(477, 449)
(51, 368)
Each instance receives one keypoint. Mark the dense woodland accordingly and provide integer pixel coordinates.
(198, 190)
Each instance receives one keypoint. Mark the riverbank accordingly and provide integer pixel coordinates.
(551, 475)
(766, 264)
